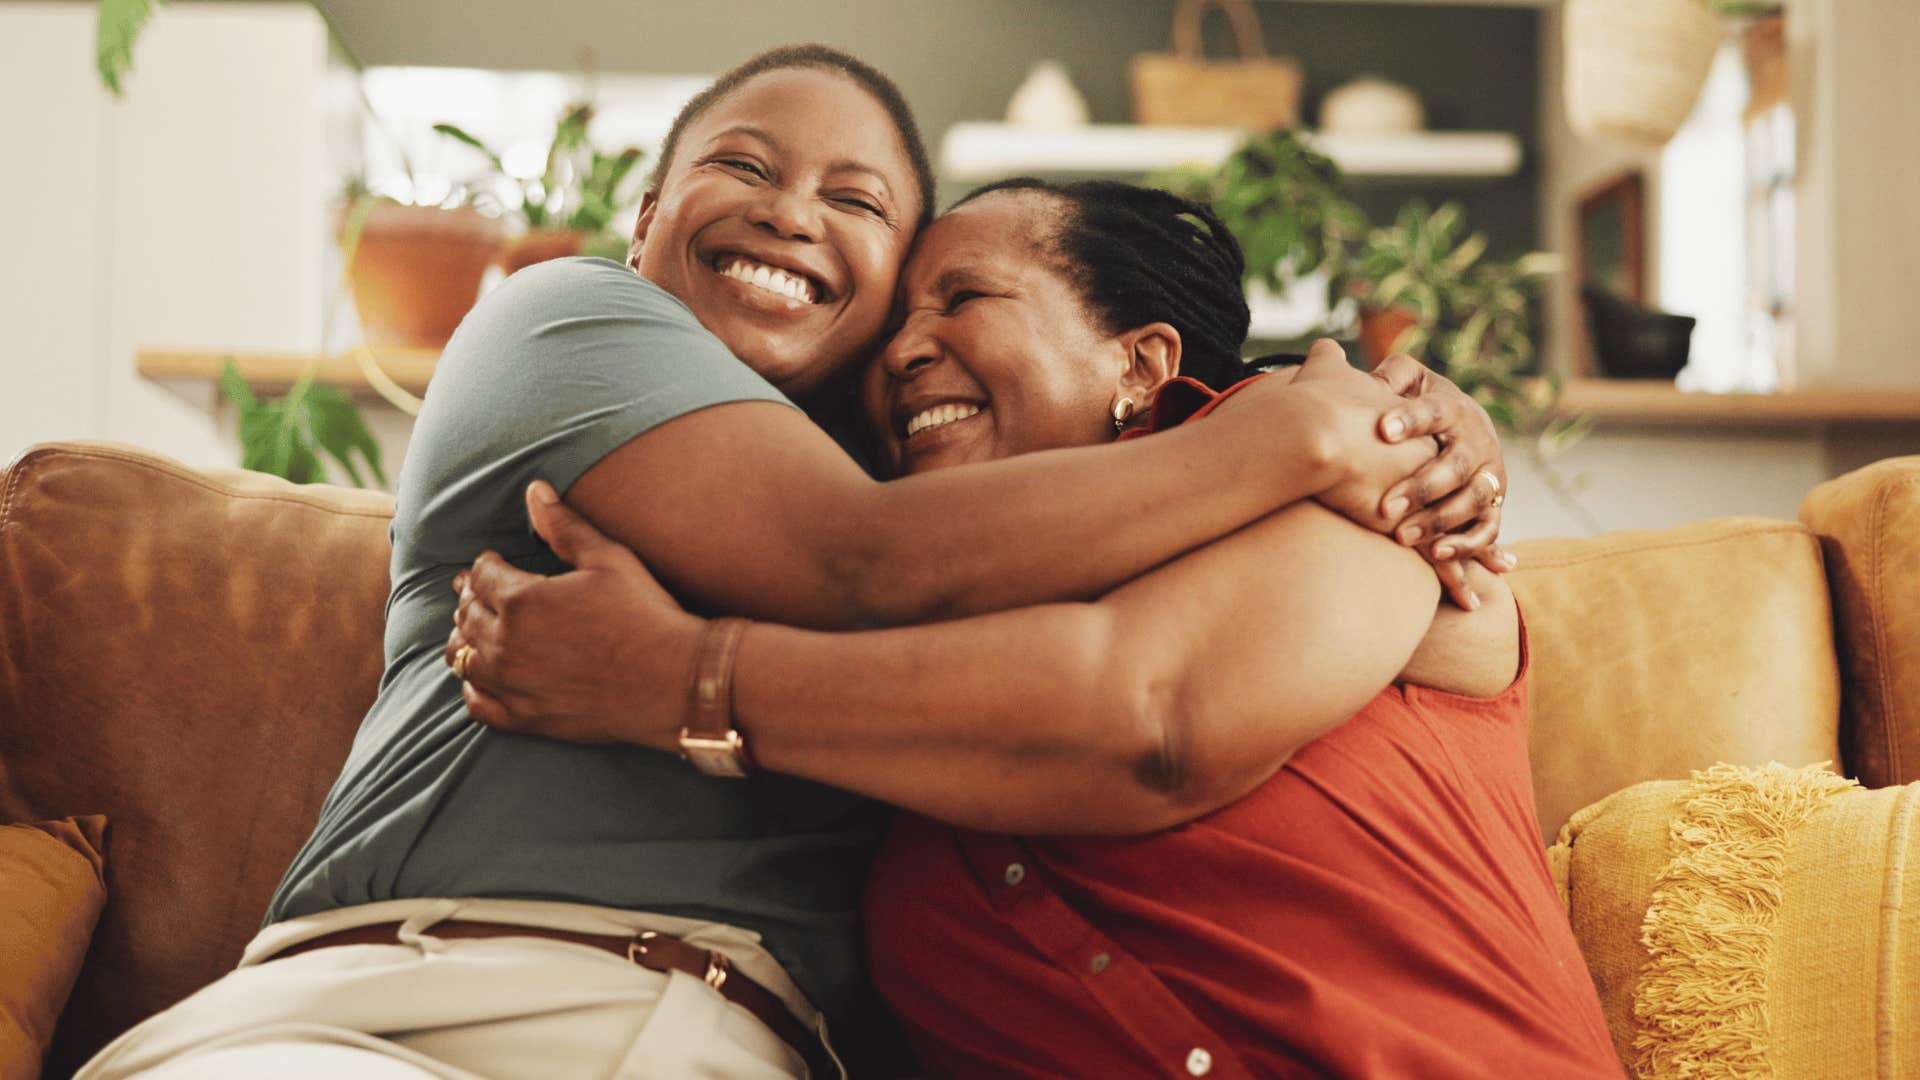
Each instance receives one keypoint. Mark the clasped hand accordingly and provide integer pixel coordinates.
(1416, 458)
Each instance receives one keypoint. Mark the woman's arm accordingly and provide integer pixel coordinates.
(1170, 696)
(1476, 653)
(748, 508)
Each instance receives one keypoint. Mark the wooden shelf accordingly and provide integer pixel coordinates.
(1619, 401)
(274, 372)
(979, 151)
(1654, 402)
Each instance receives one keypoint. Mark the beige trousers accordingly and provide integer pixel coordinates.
(463, 1008)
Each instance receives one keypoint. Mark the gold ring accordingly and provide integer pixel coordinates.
(1499, 497)
(461, 658)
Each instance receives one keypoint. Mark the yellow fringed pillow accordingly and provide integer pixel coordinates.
(1752, 923)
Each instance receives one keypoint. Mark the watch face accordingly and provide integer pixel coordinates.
(722, 756)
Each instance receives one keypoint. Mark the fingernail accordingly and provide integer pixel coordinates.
(1397, 507)
(1443, 552)
(1473, 601)
(1410, 534)
(1394, 427)
(1509, 560)
(544, 492)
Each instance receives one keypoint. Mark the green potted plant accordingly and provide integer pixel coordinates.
(1285, 202)
(418, 266)
(289, 435)
(1402, 274)
(569, 207)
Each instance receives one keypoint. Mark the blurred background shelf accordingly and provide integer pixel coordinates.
(273, 373)
(1651, 402)
(977, 151)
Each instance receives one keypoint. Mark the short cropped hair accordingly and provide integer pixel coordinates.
(819, 58)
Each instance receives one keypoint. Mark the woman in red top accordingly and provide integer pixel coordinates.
(1353, 897)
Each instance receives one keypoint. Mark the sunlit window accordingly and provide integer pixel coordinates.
(1726, 225)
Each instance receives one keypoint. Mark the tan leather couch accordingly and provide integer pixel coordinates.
(190, 652)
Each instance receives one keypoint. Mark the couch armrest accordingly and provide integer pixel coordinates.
(1868, 522)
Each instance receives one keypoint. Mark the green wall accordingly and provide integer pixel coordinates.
(960, 59)
(1476, 67)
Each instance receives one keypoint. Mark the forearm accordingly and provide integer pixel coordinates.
(1065, 524)
(1028, 721)
(1166, 699)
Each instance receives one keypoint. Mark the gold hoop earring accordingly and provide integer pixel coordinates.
(1122, 412)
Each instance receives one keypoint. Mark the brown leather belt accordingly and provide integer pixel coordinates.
(657, 952)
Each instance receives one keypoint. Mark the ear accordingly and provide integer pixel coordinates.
(1153, 357)
(649, 203)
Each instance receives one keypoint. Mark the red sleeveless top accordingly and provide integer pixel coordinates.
(1381, 907)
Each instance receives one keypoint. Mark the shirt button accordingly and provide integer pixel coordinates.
(1100, 962)
(1016, 873)
(1199, 1062)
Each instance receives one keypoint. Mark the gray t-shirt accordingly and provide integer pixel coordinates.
(563, 363)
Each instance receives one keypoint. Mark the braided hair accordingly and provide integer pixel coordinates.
(818, 58)
(1140, 255)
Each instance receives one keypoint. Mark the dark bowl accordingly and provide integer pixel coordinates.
(1634, 342)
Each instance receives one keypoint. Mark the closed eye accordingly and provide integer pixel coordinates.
(961, 297)
(867, 206)
(743, 165)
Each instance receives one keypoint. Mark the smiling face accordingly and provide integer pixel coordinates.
(997, 355)
(782, 222)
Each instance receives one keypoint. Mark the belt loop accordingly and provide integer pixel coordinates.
(413, 928)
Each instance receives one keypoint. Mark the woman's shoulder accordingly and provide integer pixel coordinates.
(582, 283)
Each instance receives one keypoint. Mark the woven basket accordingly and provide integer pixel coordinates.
(1185, 88)
(1635, 67)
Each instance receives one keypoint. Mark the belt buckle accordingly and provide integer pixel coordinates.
(718, 966)
(717, 970)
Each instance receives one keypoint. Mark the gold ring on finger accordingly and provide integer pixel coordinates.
(1493, 484)
(461, 658)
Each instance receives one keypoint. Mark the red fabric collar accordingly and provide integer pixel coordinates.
(1181, 399)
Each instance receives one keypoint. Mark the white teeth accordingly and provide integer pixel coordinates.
(938, 415)
(771, 278)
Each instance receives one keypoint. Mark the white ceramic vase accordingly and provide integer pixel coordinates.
(1371, 105)
(1047, 99)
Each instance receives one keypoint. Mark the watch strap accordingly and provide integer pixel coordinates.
(709, 739)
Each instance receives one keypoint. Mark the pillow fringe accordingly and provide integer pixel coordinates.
(1700, 1001)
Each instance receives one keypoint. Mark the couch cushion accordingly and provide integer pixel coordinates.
(51, 892)
(1658, 653)
(1868, 522)
(189, 654)
(1752, 922)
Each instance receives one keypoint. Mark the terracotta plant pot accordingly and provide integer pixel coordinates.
(1635, 67)
(417, 271)
(539, 245)
(1381, 327)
